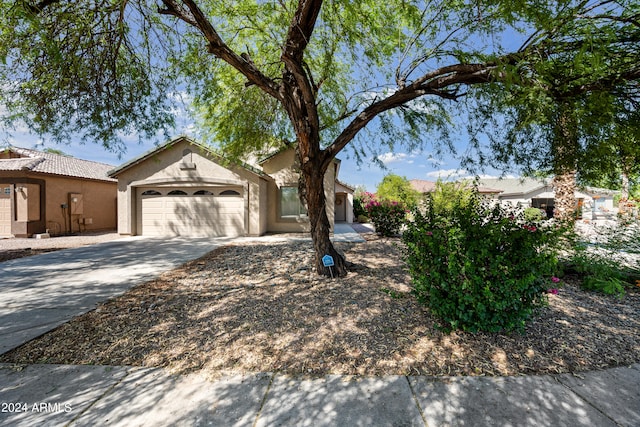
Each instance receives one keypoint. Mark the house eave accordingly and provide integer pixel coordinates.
(145, 156)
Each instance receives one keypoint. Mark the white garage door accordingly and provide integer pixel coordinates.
(192, 212)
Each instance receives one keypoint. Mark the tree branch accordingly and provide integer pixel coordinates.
(40, 6)
(300, 30)
(301, 84)
(196, 18)
(433, 83)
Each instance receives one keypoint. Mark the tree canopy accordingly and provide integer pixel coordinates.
(311, 73)
(397, 188)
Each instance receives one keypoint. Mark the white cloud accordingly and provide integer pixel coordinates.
(388, 158)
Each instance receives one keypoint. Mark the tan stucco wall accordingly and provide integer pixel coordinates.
(281, 168)
(99, 203)
(164, 169)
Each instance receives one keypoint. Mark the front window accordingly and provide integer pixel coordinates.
(290, 206)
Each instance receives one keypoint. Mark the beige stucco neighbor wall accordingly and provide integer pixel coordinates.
(170, 167)
(99, 204)
(38, 201)
(281, 168)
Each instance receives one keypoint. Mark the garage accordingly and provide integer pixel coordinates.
(191, 211)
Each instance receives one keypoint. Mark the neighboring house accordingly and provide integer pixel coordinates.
(539, 193)
(184, 188)
(42, 191)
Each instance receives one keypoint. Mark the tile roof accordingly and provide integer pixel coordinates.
(515, 186)
(54, 164)
(422, 186)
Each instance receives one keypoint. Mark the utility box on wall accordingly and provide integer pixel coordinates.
(76, 204)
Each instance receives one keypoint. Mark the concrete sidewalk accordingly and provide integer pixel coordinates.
(57, 395)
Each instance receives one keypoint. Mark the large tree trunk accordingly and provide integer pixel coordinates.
(565, 149)
(319, 222)
(623, 203)
(565, 201)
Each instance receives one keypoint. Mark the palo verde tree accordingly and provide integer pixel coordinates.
(316, 73)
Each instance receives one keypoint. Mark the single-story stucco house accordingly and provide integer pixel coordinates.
(539, 193)
(42, 192)
(184, 188)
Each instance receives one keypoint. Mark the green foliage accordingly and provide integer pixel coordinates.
(358, 208)
(387, 217)
(601, 261)
(110, 69)
(480, 267)
(595, 85)
(395, 188)
(85, 69)
(448, 195)
(361, 198)
(533, 215)
(598, 273)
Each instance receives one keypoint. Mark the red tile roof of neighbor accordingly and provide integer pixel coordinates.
(422, 185)
(55, 164)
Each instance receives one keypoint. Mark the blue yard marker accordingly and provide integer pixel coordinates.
(327, 261)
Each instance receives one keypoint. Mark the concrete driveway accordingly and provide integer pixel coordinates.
(41, 292)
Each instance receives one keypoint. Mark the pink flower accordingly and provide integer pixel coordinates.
(552, 291)
(429, 233)
(554, 279)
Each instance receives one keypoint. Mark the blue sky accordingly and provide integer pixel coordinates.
(412, 165)
(418, 165)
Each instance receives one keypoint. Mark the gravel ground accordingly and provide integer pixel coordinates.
(258, 306)
(21, 247)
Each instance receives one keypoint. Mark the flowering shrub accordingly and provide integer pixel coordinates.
(360, 201)
(478, 266)
(386, 216)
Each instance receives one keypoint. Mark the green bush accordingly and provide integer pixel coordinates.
(362, 218)
(447, 195)
(599, 274)
(480, 266)
(534, 215)
(600, 261)
(387, 217)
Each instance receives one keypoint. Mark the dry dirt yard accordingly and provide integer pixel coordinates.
(258, 307)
